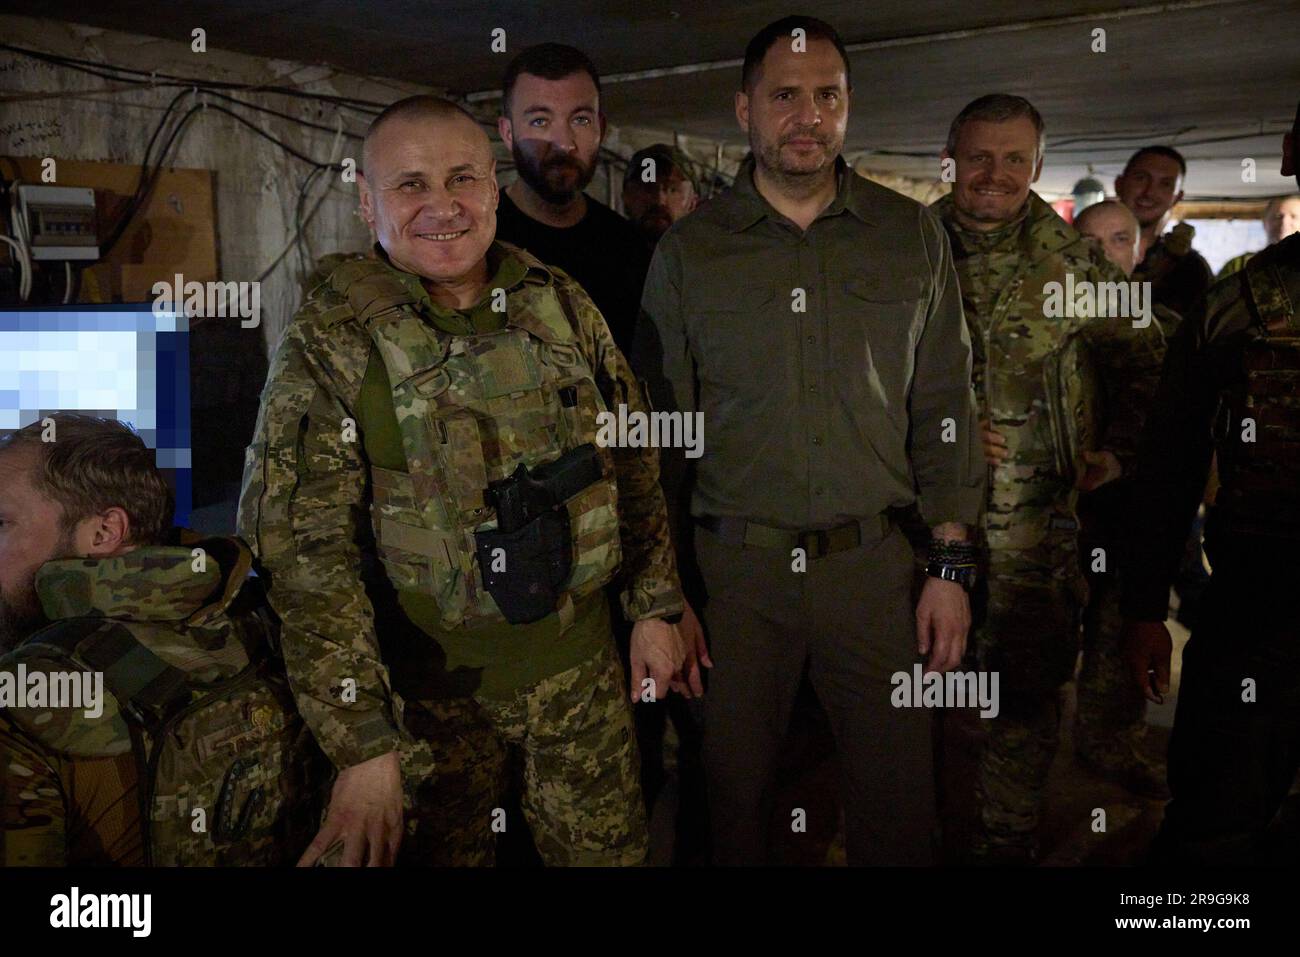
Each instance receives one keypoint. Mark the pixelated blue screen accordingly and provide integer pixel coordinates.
(117, 361)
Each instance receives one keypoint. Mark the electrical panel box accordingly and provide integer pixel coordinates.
(60, 221)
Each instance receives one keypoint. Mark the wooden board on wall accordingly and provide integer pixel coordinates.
(175, 231)
(1221, 209)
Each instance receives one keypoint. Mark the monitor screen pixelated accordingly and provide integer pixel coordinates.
(117, 361)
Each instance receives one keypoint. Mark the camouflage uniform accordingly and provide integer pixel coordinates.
(166, 627)
(1035, 378)
(475, 394)
(1234, 265)
(1178, 274)
(1230, 388)
(1110, 724)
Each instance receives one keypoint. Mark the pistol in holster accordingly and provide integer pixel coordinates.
(528, 557)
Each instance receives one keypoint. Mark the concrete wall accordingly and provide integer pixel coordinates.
(257, 182)
(67, 114)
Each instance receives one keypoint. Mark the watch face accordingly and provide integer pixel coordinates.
(962, 576)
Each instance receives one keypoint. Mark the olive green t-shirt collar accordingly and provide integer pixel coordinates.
(750, 206)
(508, 271)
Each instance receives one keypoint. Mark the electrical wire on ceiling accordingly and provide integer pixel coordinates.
(126, 80)
(219, 89)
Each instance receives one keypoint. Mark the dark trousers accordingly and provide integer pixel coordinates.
(849, 616)
(1231, 762)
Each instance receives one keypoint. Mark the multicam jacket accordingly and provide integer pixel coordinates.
(309, 487)
(180, 645)
(1052, 386)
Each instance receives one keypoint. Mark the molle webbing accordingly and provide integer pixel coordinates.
(1275, 306)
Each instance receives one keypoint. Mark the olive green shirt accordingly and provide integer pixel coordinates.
(832, 366)
(507, 657)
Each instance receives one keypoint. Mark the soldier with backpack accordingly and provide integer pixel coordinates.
(144, 714)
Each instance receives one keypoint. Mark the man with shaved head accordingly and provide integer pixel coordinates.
(1109, 721)
(1115, 229)
(437, 512)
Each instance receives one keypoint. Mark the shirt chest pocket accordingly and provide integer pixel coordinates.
(738, 335)
(875, 325)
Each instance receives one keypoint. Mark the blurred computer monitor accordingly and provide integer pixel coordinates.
(118, 361)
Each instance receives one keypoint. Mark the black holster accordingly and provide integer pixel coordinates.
(533, 534)
(537, 561)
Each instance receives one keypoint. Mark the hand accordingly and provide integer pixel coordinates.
(1146, 649)
(942, 622)
(1103, 467)
(687, 681)
(657, 653)
(365, 813)
(995, 445)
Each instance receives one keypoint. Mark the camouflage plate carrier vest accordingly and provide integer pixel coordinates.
(228, 772)
(471, 409)
(1259, 490)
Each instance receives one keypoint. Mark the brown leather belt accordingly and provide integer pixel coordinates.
(816, 542)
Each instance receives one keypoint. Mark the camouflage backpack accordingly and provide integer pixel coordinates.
(228, 772)
(1258, 485)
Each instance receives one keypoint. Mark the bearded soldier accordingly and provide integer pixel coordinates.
(126, 641)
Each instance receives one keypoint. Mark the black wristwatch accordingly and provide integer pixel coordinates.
(952, 561)
(963, 575)
(672, 619)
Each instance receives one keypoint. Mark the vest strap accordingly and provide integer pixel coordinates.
(1270, 297)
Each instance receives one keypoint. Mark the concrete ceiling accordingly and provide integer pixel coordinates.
(1217, 78)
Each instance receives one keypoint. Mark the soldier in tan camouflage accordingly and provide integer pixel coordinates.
(1041, 437)
(436, 387)
(95, 585)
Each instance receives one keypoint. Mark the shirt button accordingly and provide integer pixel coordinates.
(817, 440)
(819, 490)
(812, 338)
